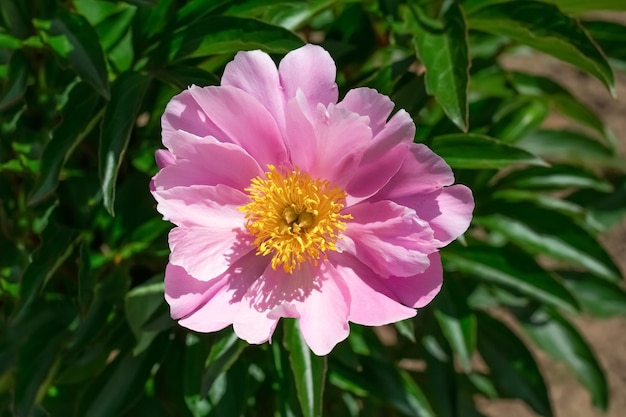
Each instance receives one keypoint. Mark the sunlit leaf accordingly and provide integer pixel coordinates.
(556, 336)
(596, 296)
(17, 80)
(77, 121)
(511, 366)
(119, 119)
(225, 35)
(512, 269)
(546, 28)
(442, 48)
(474, 151)
(75, 41)
(309, 371)
(561, 99)
(457, 322)
(570, 147)
(545, 232)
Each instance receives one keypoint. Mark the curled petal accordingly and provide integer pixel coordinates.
(192, 168)
(369, 102)
(311, 70)
(421, 172)
(329, 144)
(230, 115)
(419, 290)
(388, 238)
(255, 73)
(163, 158)
(371, 301)
(383, 158)
(447, 211)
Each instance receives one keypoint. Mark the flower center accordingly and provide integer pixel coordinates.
(294, 217)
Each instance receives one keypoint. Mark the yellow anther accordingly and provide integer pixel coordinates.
(294, 217)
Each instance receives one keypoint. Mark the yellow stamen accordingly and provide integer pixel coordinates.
(293, 217)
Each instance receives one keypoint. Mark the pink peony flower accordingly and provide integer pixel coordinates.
(288, 203)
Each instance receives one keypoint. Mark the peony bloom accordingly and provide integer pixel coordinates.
(288, 203)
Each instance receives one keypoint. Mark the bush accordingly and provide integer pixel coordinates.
(84, 328)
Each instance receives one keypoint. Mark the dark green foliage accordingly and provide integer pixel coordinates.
(84, 329)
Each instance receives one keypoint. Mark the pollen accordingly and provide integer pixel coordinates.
(293, 217)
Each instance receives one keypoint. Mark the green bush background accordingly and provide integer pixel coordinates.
(84, 329)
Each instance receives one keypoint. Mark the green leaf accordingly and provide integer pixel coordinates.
(148, 3)
(309, 371)
(520, 117)
(375, 378)
(224, 35)
(562, 100)
(609, 36)
(77, 120)
(15, 16)
(442, 387)
(119, 119)
(17, 79)
(546, 232)
(140, 305)
(75, 41)
(196, 10)
(596, 296)
(182, 76)
(545, 28)
(512, 367)
(457, 322)
(9, 42)
(557, 337)
(580, 6)
(473, 151)
(555, 177)
(570, 147)
(57, 244)
(442, 48)
(544, 201)
(40, 351)
(117, 389)
(224, 353)
(511, 268)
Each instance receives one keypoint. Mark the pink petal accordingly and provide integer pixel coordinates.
(369, 102)
(388, 238)
(419, 290)
(448, 211)
(255, 73)
(324, 314)
(230, 115)
(383, 158)
(206, 161)
(374, 172)
(254, 326)
(328, 146)
(422, 172)
(211, 306)
(207, 252)
(216, 207)
(183, 113)
(311, 70)
(163, 158)
(315, 295)
(370, 301)
(186, 294)
(237, 117)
